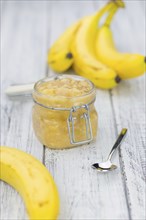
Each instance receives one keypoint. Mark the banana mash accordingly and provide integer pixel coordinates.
(64, 115)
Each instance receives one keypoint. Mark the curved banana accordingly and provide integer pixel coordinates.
(103, 79)
(85, 61)
(126, 65)
(32, 180)
(60, 57)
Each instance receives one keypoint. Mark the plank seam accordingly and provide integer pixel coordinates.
(47, 69)
(123, 176)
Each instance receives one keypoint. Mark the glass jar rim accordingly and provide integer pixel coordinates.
(63, 76)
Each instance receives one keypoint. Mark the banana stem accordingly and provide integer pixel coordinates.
(110, 16)
(119, 3)
(105, 9)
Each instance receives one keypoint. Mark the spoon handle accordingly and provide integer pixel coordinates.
(118, 142)
(15, 90)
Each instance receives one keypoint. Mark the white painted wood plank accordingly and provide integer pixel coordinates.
(84, 193)
(24, 47)
(129, 107)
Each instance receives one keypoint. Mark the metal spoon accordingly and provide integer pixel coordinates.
(107, 165)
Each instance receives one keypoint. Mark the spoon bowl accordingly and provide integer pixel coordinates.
(107, 165)
(104, 166)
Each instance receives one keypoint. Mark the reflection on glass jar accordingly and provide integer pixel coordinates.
(64, 115)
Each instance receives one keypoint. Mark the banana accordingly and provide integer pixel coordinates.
(32, 180)
(85, 61)
(60, 57)
(100, 80)
(126, 65)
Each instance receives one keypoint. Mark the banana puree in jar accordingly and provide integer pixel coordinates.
(64, 115)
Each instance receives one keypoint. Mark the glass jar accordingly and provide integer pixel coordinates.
(64, 115)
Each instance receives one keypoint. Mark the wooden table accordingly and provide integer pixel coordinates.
(28, 30)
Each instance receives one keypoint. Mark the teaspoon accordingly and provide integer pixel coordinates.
(107, 165)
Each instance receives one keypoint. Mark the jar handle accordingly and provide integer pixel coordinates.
(71, 127)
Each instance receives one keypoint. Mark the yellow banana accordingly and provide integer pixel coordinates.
(32, 180)
(126, 65)
(100, 80)
(85, 62)
(60, 57)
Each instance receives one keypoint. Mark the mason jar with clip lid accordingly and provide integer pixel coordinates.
(64, 115)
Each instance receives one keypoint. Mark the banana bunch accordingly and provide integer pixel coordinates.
(90, 49)
(32, 180)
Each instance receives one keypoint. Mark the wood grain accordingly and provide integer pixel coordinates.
(129, 109)
(28, 29)
(24, 45)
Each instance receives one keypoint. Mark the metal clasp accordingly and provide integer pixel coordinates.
(71, 127)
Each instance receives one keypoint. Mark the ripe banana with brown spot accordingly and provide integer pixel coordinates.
(85, 62)
(60, 57)
(32, 180)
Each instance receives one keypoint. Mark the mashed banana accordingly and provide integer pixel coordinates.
(62, 93)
